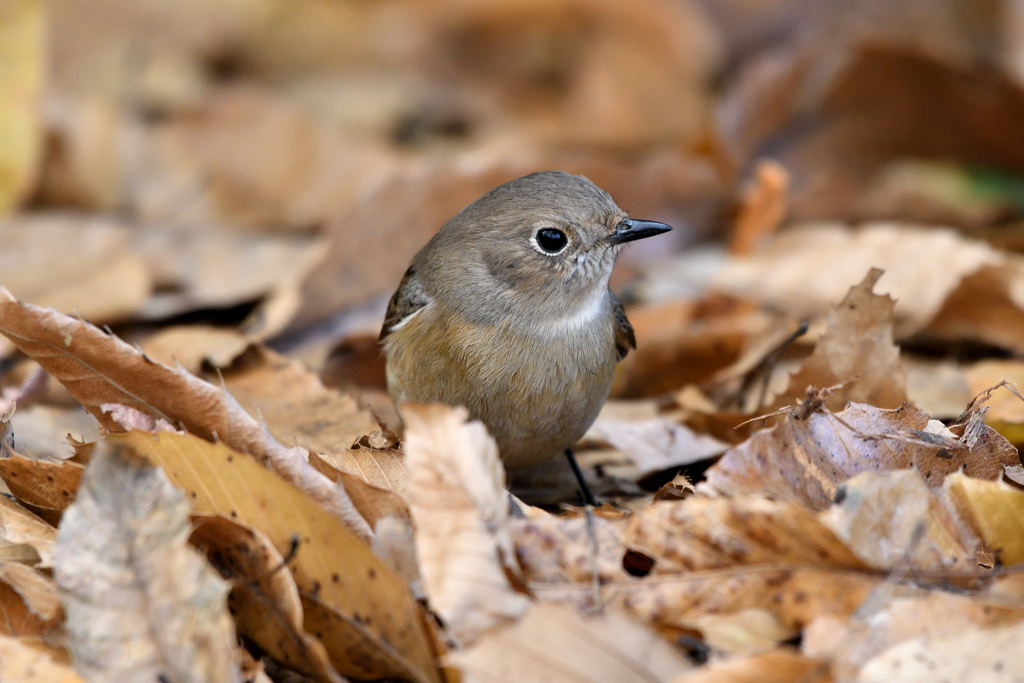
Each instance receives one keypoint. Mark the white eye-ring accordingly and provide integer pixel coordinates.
(549, 241)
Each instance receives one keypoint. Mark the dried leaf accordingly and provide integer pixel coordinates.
(85, 266)
(190, 346)
(981, 656)
(707, 556)
(893, 521)
(807, 460)
(18, 526)
(44, 484)
(656, 445)
(376, 625)
(264, 599)
(907, 614)
(17, 619)
(994, 510)
(943, 284)
(460, 508)
(21, 660)
(856, 351)
(140, 603)
(101, 369)
(553, 643)
(299, 409)
(36, 589)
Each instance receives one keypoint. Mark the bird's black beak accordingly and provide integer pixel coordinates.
(633, 229)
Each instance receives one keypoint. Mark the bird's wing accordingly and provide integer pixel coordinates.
(408, 300)
(624, 337)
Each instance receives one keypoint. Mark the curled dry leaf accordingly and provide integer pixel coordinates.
(856, 352)
(807, 460)
(140, 603)
(101, 369)
(264, 599)
(18, 620)
(362, 612)
(460, 508)
(762, 209)
(22, 661)
(553, 643)
(19, 527)
(945, 285)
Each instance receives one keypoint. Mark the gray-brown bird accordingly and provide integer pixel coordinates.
(507, 311)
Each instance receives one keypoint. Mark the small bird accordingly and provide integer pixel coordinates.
(507, 311)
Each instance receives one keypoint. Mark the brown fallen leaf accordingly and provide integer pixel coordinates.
(856, 351)
(701, 556)
(264, 599)
(140, 603)
(375, 624)
(48, 486)
(893, 521)
(299, 409)
(555, 549)
(22, 660)
(36, 589)
(553, 643)
(682, 341)
(19, 527)
(101, 369)
(994, 510)
(944, 285)
(807, 460)
(18, 620)
(190, 346)
(656, 445)
(89, 266)
(460, 508)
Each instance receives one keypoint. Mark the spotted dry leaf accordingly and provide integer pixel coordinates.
(460, 508)
(140, 602)
(100, 369)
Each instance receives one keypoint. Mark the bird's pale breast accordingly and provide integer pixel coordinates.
(536, 391)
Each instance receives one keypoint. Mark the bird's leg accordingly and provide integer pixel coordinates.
(588, 512)
(588, 497)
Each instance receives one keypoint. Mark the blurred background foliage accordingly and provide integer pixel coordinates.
(274, 164)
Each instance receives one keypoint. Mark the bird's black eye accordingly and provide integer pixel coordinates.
(551, 240)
